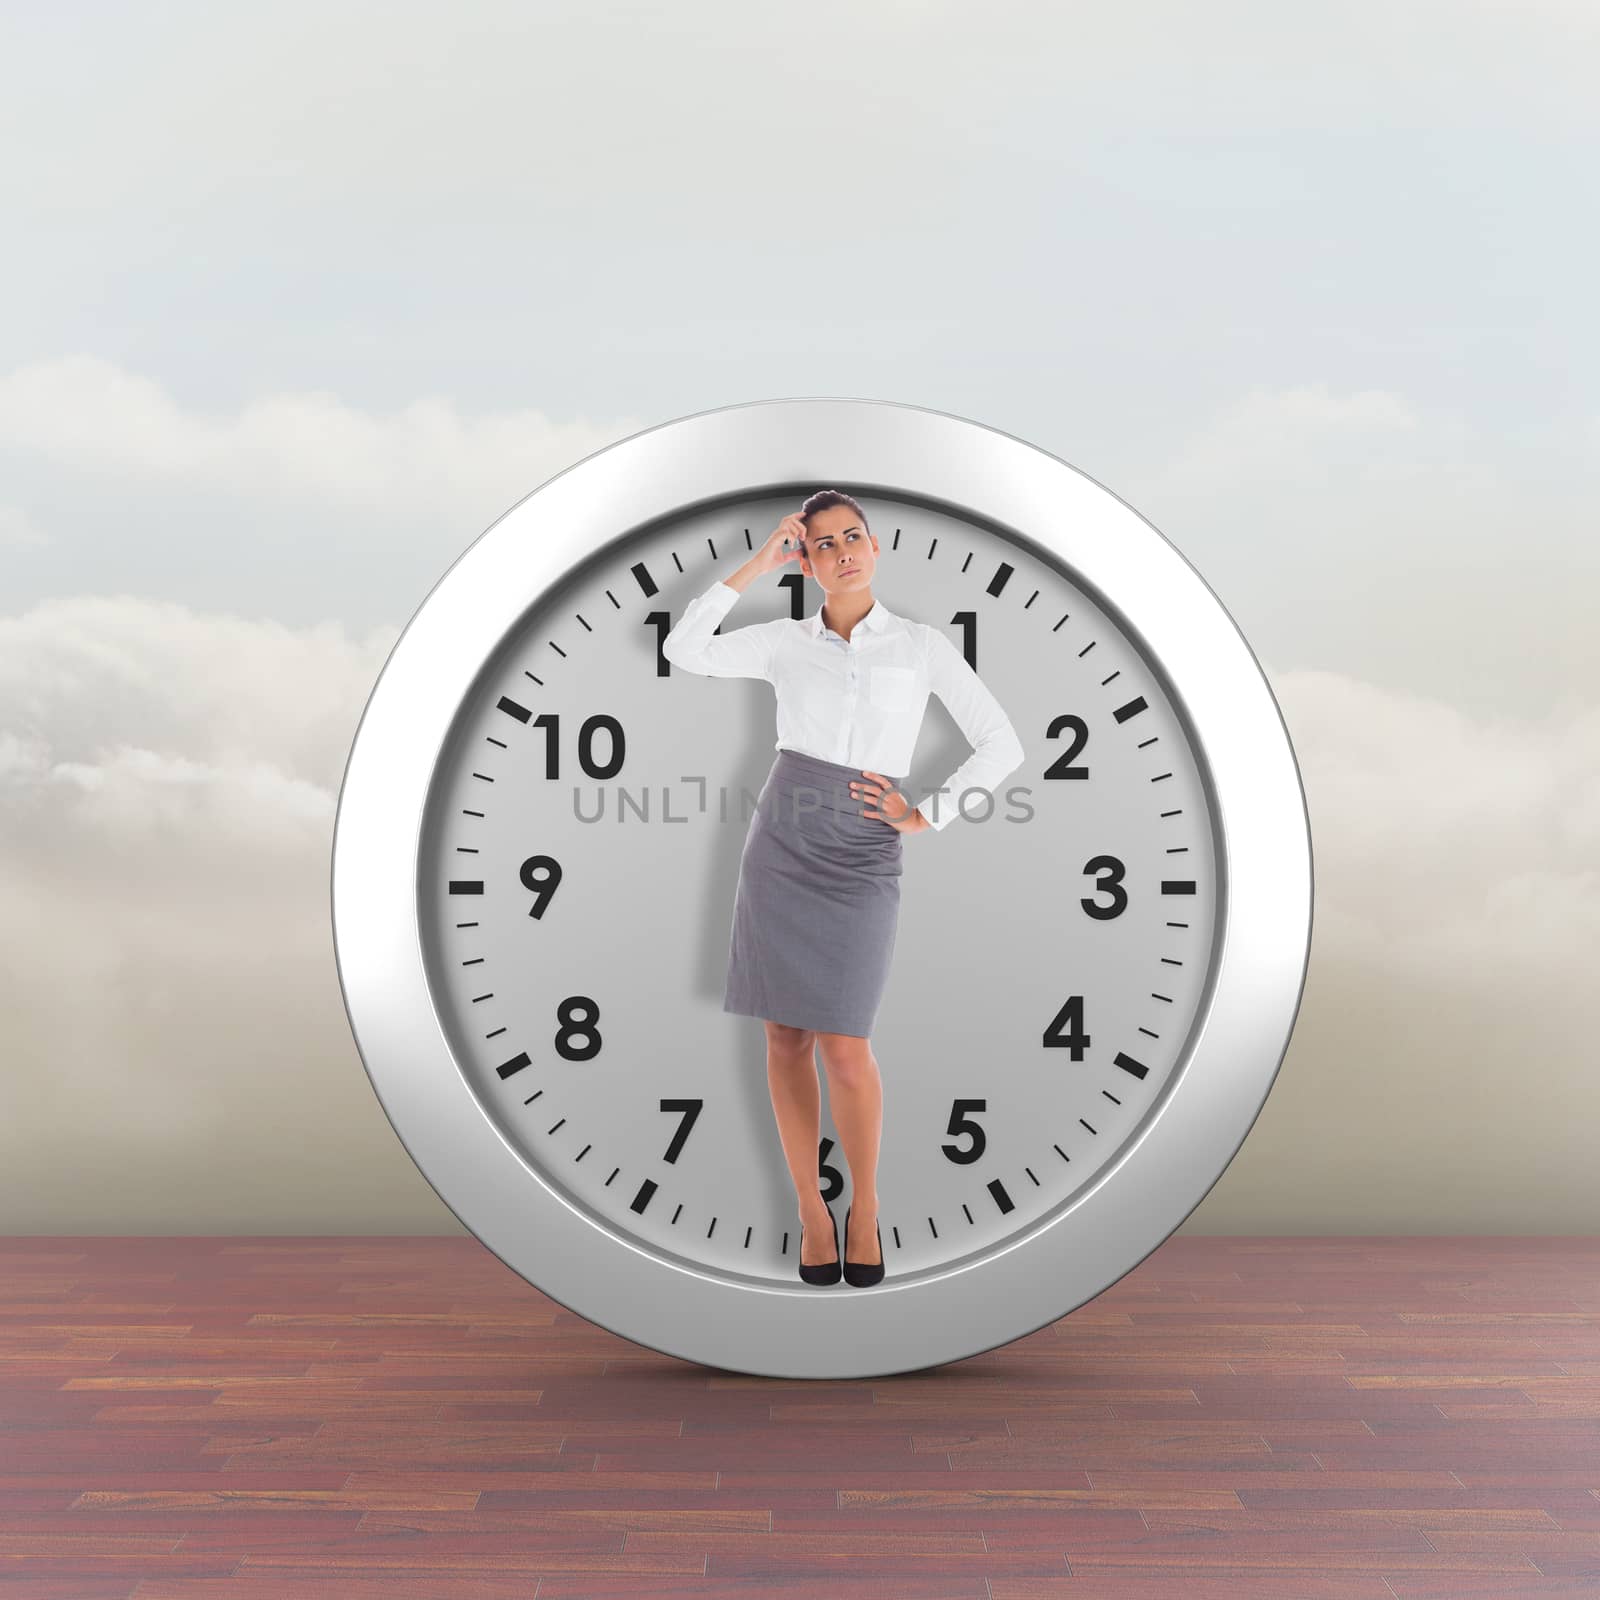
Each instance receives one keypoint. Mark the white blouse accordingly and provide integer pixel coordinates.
(857, 701)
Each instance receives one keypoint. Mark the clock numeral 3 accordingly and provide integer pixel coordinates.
(960, 1123)
(550, 721)
(574, 1026)
(1070, 1017)
(1109, 874)
(541, 874)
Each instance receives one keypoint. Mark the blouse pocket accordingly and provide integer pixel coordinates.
(892, 688)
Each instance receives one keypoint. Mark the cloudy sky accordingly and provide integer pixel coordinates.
(299, 299)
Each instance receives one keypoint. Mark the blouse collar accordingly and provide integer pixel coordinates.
(880, 619)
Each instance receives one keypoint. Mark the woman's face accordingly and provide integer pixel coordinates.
(839, 551)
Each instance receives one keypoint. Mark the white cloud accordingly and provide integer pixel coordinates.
(86, 414)
(178, 1056)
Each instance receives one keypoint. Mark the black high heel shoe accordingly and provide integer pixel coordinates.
(861, 1274)
(825, 1272)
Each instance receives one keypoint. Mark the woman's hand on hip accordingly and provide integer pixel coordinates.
(893, 806)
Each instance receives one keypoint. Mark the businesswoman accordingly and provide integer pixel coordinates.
(818, 900)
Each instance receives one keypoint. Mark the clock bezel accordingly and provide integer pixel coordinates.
(1262, 841)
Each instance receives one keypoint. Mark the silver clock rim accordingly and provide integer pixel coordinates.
(1265, 896)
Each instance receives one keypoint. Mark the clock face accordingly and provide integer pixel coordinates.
(579, 856)
(538, 843)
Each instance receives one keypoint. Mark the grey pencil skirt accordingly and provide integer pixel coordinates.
(818, 902)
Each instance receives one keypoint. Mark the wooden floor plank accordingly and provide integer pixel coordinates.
(1337, 1419)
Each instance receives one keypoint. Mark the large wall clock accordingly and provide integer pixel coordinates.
(538, 836)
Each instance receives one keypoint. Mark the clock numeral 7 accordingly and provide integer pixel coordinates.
(688, 1110)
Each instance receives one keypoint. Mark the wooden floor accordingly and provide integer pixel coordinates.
(404, 1418)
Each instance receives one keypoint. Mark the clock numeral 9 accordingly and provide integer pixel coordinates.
(960, 1123)
(576, 1026)
(550, 721)
(832, 1178)
(1070, 1019)
(541, 874)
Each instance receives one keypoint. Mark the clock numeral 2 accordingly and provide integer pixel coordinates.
(1062, 766)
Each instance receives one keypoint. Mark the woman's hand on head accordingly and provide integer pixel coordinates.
(885, 803)
(772, 554)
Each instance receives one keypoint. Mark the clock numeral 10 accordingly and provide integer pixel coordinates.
(550, 721)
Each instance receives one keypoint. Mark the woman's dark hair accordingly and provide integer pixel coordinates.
(824, 498)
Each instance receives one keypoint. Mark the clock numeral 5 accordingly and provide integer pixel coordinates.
(541, 874)
(576, 1026)
(1070, 1019)
(960, 1122)
(550, 721)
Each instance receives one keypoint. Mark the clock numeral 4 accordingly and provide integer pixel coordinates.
(1066, 1028)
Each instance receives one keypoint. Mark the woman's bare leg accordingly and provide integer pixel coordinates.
(855, 1093)
(797, 1105)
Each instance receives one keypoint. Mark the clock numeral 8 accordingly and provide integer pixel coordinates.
(576, 1026)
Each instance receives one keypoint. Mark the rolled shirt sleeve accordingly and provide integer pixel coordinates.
(996, 749)
(695, 645)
